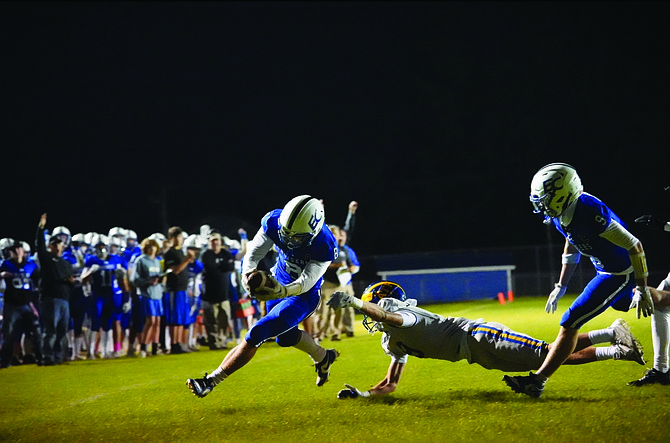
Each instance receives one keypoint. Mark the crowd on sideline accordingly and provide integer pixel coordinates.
(94, 295)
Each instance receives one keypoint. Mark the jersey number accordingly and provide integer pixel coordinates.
(293, 270)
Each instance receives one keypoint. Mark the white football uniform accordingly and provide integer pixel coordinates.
(428, 335)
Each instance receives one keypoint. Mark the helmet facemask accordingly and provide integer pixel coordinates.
(300, 221)
(374, 293)
(553, 189)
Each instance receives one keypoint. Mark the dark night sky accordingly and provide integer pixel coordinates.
(433, 116)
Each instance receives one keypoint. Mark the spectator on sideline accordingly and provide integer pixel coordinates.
(194, 289)
(409, 330)
(347, 315)
(219, 264)
(334, 279)
(148, 279)
(177, 284)
(20, 314)
(56, 288)
(292, 290)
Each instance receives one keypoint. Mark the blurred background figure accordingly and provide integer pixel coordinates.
(20, 314)
(56, 288)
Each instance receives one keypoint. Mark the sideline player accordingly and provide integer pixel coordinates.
(592, 229)
(660, 320)
(408, 330)
(305, 251)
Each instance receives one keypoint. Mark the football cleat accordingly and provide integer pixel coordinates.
(622, 334)
(200, 386)
(652, 376)
(323, 368)
(525, 384)
(623, 352)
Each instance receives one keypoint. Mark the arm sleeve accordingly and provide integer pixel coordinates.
(619, 235)
(308, 278)
(42, 252)
(349, 225)
(256, 250)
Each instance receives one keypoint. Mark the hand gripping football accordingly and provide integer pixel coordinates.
(259, 283)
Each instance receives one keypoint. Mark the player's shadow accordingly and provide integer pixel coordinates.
(446, 398)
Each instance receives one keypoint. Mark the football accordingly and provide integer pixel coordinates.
(258, 280)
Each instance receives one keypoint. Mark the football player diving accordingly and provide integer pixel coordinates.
(291, 292)
(409, 330)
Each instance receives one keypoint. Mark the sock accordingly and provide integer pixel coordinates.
(143, 347)
(91, 347)
(117, 347)
(601, 336)
(78, 341)
(103, 343)
(154, 348)
(308, 345)
(217, 376)
(660, 337)
(541, 377)
(605, 353)
(110, 341)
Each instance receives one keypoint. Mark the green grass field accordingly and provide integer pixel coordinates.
(274, 398)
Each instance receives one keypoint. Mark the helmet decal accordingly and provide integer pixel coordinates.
(314, 220)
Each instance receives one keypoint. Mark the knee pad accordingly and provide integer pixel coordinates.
(289, 338)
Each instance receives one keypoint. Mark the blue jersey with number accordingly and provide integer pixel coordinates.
(291, 262)
(590, 219)
(103, 281)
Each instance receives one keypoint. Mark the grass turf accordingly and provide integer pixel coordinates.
(274, 398)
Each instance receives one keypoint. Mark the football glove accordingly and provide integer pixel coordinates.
(554, 297)
(127, 306)
(340, 300)
(642, 302)
(351, 392)
(271, 290)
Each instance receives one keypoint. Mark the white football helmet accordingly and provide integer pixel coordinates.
(63, 233)
(160, 239)
(116, 245)
(117, 232)
(300, 221)
(554, 188)
(79, 238)
(193, 242)
(99, 244)
(5, 245)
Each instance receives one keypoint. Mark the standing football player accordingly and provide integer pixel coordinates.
(592, 229)
(291, 292)
(660, 321)
(408, 330)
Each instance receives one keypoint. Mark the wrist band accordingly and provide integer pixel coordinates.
(570, 258)
(639, 263)
(357, 303)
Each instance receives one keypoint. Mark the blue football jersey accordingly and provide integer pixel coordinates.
(105, 279)
(590, 219)
(291, 262)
